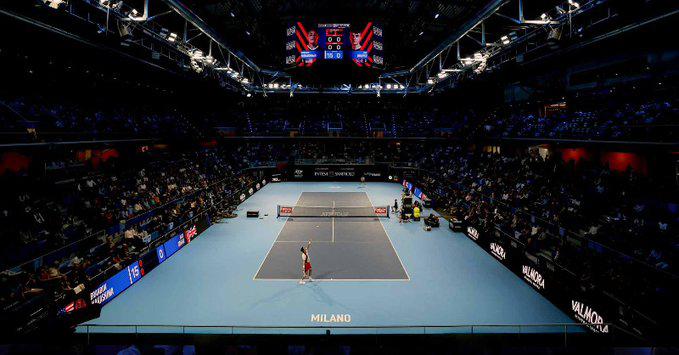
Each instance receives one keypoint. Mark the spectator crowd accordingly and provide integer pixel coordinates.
(63, 236)
(615, 230)
(654, 120)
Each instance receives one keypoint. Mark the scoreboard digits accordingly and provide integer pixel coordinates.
(361, 44)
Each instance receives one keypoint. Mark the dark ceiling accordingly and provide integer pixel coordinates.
(257, 27)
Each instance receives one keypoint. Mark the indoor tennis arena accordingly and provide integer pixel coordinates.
(189, 177)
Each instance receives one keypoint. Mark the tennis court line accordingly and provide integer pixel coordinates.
(323, 241)
(337, 280)
(254, 277)
(333, 223)
(390, 243)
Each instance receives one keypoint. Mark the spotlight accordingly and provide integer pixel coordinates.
(209, 60)
(430, 81)
(388, 86)
(574, 4)
(54, 4)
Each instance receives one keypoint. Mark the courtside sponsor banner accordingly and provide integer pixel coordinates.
(418, 193)
(190, 233)
(498, 251)
(160, 251)
(381, 211)
(589, 316)
(174, 244)
(112, 287)
(472, 233)
(534, 277)
(285, 211)
(326, 172)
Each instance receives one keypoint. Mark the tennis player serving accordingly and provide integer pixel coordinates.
(306, 264)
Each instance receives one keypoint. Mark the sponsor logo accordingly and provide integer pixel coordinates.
(334, 173)
(472, 233)
(299, 173)
(334, 214)
(331, 318)
(589, 317)
(101, 294)
(286, 210)
(190, 233)
(371, 174)
(498, 251)
(117, 284)
(381, 211)
(533, 277)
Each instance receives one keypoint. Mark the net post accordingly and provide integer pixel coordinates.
(278, 211)
(388, 212)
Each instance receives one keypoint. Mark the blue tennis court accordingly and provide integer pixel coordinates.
(210, 286)
(344, 248)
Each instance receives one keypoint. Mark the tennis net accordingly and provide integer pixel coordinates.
(328, 211)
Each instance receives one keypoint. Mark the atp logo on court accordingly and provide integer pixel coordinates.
(331, 318)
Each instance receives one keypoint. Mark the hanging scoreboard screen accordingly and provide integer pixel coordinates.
(361, 44)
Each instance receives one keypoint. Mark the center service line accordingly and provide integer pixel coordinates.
(333, 222)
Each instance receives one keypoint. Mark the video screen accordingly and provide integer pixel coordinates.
(307, 44)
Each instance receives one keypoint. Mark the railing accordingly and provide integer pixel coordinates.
(551, 328)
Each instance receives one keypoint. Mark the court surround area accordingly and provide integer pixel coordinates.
(376, 276)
